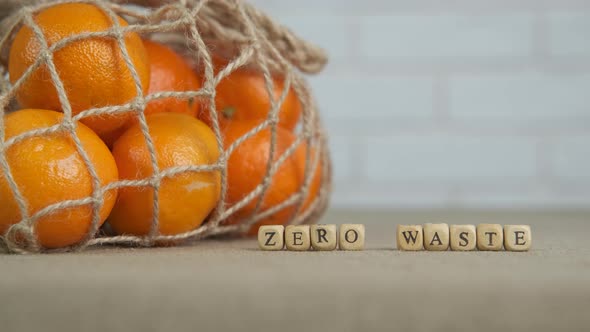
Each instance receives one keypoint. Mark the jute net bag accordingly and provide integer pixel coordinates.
(236, 30)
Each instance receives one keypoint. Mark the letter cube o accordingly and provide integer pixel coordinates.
(352, 237)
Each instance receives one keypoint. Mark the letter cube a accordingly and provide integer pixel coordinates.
(463, 237)
(323, 237)
(410, 237)
(352, 237)
(271, 237)
(490, 237)
(517, 237)
(297, 237)
(436, 237)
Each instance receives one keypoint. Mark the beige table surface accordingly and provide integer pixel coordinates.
(230, 285)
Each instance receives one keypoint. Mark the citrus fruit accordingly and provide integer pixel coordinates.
(242, 96)
(170, 72)
(93, 70)
(47, 170)
(185, 199)
(247, 166)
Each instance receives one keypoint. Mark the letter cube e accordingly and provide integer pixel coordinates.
(297, 237)
(517, 237)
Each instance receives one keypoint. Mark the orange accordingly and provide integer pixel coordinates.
(185, 199)
(242, 96)
(93, 71)
(247, 168)
(170, 72)
(47, 170)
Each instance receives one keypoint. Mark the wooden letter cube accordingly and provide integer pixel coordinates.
(463, 237)
(323, 237)
(410, 237)
(517, 237)
(436, 237)
(489, 237)
(271, 237)
(297, 237)
(352, 237)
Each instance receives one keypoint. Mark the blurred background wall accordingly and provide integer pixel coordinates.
(453, 104)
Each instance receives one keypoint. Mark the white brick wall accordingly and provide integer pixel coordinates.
(449, 159)
(521, 97)
(569, 162)
(444, 37)
(569, 33)
(451, 104)
(390, 97)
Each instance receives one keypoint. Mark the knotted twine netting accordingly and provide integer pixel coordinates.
(192, 27)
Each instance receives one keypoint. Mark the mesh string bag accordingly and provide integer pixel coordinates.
(234, 29)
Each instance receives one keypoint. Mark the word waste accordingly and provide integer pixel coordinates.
(484, 237)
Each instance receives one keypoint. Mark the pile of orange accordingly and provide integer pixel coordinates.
(67, 178)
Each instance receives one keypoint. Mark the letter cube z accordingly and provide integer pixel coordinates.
(517, 237)
(323, 237)
(463, 237)
(410, 237)
(436, 237)
(352, 237)
(297, 237)
(489, 237)
(271, 237)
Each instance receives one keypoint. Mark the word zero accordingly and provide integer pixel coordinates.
(318, 237)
